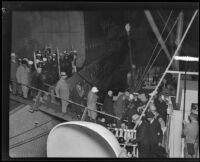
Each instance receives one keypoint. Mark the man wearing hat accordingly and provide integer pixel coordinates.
(136, 101)
(62, 91)
(91, 103)
(120, 105)
(191, 133)
(108, 106)
(13, 70)
(131, 110)
(37, 81)
(142, 137)
(161, 106)
(155, 133)
(77, 95)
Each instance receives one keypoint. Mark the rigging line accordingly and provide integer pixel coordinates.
(29, 130)
(29, 140)
(159, 14)
(163, 21)
(175, 53)
(100, 112)
(157, 54)
(160, 49)
(178, 47)
(155, 48)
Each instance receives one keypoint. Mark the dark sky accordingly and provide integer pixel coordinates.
(144, 40)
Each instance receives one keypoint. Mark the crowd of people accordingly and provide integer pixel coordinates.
(42, 72)
(126, 106)
(150, 131)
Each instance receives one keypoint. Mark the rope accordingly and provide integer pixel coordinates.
(156, 55)
(71, 101)
(163, 21)
(29, 130)
(154, 49)
(175, 53)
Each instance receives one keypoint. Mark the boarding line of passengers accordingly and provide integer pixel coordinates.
(126, 105)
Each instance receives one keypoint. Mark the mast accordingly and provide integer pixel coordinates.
(179, 35)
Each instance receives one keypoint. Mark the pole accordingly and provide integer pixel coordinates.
(184, 92)
(178, 88)
(179, 34)
(157, 33)
(58, 56)
(182, 135)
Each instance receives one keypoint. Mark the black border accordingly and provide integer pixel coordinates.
(52, 6)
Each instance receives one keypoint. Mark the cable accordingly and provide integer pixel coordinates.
(155, 48)
(159, 51)
(143, 75)
(30, 129)
(157, 54)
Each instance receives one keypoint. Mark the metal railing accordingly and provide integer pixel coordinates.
(83, 118)
(70, 101)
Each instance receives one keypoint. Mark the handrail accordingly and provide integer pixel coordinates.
(103, 113)
(98, 103)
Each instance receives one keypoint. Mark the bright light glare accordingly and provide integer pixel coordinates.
(186, 58)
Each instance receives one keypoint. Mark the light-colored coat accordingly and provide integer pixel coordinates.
(191, 131)
(22, 74)
(62, 89)
(119, 106)
(91, 103)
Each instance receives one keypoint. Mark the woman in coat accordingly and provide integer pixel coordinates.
(91, 103)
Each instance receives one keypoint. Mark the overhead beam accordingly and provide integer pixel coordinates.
(186, 47)
(178, 36)
(157, 33)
